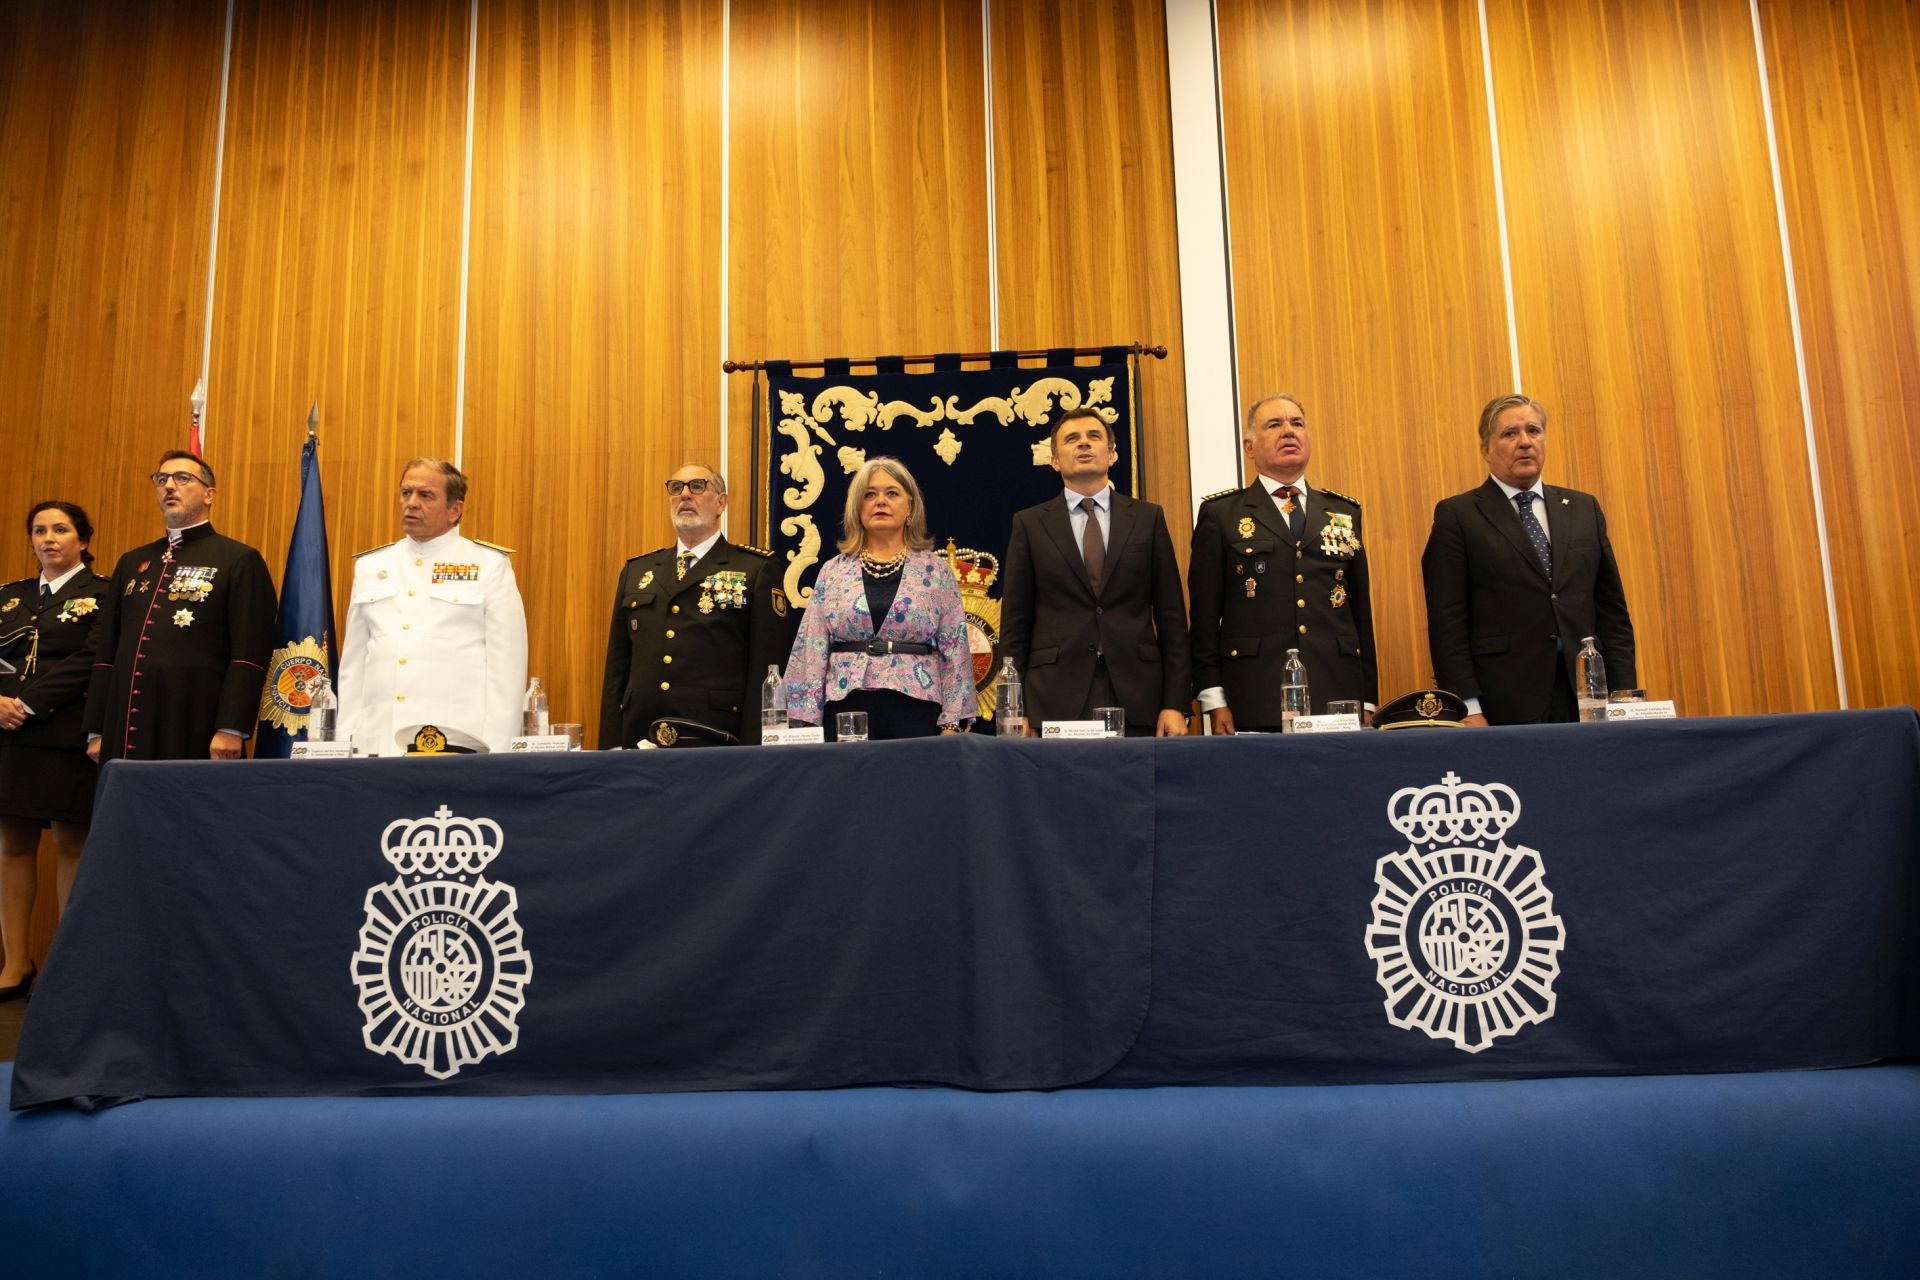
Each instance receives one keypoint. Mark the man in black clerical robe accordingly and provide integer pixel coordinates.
(185, 630)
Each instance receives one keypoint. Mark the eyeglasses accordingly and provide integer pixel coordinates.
(181, 478)
(695, 487)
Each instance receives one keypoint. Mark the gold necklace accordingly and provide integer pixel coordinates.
(882, 568)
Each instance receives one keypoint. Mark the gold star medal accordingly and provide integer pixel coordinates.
(183, 617)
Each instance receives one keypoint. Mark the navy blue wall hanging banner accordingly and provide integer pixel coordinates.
(978, 442)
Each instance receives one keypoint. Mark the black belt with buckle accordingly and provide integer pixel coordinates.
(881, 648)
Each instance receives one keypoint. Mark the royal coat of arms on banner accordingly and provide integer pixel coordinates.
(442, 968)
(1464, 937)
(978, 442)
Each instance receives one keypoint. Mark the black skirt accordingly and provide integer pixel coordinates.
(46, 784)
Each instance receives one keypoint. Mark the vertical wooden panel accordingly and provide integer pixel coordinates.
(859, 184)
(1366, 261)
(1846, 101)
(1653, 323)
(339, 268)
(107, 116)
(1083, 184)
(594, 339)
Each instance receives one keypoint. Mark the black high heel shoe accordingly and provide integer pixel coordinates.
(19, 990)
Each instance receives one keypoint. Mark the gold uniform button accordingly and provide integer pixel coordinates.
(1299, 577)
(399, 697)
(403, 662)
(667, 658)
(1299, 604)
(418, 562)
(676, 608)
(406, 626)
(1303, 628)
(409, 591)
(664, 686)
(1233, 653)
(669, 633)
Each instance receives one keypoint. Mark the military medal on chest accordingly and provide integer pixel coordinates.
(445, 572)
(191, 582)
(1339, 596)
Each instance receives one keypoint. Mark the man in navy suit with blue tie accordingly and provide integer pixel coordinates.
(1091, 609)
(1517, 573)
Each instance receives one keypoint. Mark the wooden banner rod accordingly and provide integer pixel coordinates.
(965, 357)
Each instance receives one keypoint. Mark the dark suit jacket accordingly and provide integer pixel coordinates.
(1493, 615)
(667, 658)
(1052, 623)
(1240, 641)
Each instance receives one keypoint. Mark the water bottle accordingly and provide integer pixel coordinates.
(323, 710)
(1293, 692)
(535, 725)
(1009, 703)
(1592, 689)
(773, 700)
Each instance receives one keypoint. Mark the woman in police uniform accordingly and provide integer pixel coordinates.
(46, 626)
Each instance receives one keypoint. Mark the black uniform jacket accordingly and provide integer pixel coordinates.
(59, 647)
(1053, 623)
(667, 656)
(1493, 614)
(1257, 593)
(181, 647)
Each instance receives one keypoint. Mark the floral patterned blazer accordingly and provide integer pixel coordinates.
(926, 610)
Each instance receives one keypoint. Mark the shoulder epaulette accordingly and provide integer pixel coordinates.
(1222, 494)
(370, 550)
(1335, 493)
(491, 546)
(19, 582)
(762, 552)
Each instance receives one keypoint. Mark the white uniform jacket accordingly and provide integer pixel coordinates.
(435, 635)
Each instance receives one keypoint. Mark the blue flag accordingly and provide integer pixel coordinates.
(303, 642)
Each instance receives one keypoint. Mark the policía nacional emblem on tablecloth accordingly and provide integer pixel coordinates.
(442, 969)
(1464, 938)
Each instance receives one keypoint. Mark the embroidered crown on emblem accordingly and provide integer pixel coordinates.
(1454, 811)
(441, 844)
(976, 570)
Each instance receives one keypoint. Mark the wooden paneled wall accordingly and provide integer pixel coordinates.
(339, 266)
(593, 355)
(1370, 288)
(851, 140)
(1846, 104)
(1083, 192)
(1650, 293)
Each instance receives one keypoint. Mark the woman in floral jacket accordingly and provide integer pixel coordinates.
(885, 632)
(46, 628)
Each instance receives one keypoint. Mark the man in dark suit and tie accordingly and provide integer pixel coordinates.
(1091, 610)
(1517, 574)
(1279, 565)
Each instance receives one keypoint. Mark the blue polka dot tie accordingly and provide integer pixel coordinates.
(1535, 534)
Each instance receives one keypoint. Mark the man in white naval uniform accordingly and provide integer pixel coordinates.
(435, 633)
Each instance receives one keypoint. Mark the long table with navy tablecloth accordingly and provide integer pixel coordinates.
(1634, 898)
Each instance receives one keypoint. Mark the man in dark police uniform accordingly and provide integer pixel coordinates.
(1278, 565)
(695, 627)
(185, 629)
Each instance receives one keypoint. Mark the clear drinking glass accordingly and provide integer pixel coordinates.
(1113, 720)
(850, 726)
